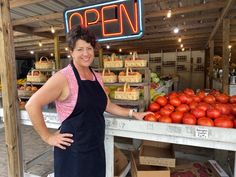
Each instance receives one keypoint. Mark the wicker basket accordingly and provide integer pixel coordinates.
(108, 78)
(44, 64)
(135, 61)
(113, 62)
(26, 91)
(127, 94)
(131, 77)
(36, 76)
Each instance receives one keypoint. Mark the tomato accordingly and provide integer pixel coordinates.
(183, 108)
(161, 100)
(189, 119)
(165, 112)
(232, 99)
(150, 117)
(209, 99)
(168, 106)
(222, 98)
(203, 106)
(213, 113)
(214, 92)
(233, 109)
(157, 115)
(196, 98)
(198, 112)
(224, 108)
(189, 99)
(205, 121)
(153, 107)
(201, 94)
(189, 91)
(183, 97)
(193, 105)
(224, 122)
(175, 101)
(165, 119)
(172, 95)
(177, 116)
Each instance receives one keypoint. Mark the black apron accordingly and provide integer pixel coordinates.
(86, 155)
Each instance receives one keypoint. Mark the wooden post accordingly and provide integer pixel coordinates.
(211, 45)
(9, 92)
(225, 64)
(56, 51)
(100, 58)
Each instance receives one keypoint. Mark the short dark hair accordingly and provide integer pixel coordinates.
(78, 32)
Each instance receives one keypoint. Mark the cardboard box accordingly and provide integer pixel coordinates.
(138, 170)
(216, 169)
(194, 169)
(156, 154)
(121, 165)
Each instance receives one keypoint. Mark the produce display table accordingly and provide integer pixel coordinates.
(209, 137)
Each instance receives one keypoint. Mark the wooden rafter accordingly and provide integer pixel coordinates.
(19, 3)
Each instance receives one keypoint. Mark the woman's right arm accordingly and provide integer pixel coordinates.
(55, 88)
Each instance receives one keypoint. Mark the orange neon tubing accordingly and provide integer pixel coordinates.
(122, 7)
(85, 17)
(109, 21)
(75, 14)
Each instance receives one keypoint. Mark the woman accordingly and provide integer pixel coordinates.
(80, 101)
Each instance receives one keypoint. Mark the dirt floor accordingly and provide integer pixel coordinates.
(33, 146)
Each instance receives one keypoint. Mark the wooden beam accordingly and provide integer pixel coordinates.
(225, 64)
(211, 45)
(9, 92)
(226, 9)
(37, 18)
(189, 9)
(19, 3)
(28, 39)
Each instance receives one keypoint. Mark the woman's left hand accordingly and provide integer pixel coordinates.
(140, 115)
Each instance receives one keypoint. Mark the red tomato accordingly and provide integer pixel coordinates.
(189, 119)
(210, 99)
(161, 100)
(213, 113)
(189, 91)
(183, 108)
(168, 106)
(232, 99)
(165, 112)
(205, 121)
(177, 116)
(172, 95)
(183, 97)
(198, 112)
(233, 109)
(222, 98)
(150, 117)
(165, 119)
(214, 92)
(224, 122)
(157, 115)
(196, 98)
(201, 94)
(193, 105)
(189, 99)
(175, 101)
(203, 106)
(153, 107)
(224, 108)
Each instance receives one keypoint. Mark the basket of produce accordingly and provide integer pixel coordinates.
(21, 104)
(44, 63)
(112, 62)
(108, 77)
(135, 61)
(127, 93)
(36, 76)
(130, 76)
(26, 91)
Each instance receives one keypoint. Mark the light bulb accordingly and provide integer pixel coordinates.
(168, 15)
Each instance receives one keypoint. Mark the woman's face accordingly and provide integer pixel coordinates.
(83, 53)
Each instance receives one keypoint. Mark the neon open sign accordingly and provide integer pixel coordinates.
(110, 21)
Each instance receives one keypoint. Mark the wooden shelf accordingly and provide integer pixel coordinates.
(129, 102)
(131, 84)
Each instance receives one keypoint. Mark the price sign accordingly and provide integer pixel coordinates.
(201, 133)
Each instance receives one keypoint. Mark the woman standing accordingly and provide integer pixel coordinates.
(80, 101)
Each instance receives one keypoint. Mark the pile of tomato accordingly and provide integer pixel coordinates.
(187, 107)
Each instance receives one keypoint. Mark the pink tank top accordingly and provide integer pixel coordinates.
(65, 108)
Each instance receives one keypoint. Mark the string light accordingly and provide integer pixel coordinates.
(66, 48)
(179, 40)
(51, 54)
(130, 53)
(108, 47)
(120, 50)
(230, 46)
(52, 29)
(176, 30)
(32, 52)
(40, 44)
(68, 56)
(181, 45)
(183, 49)
(169, 13)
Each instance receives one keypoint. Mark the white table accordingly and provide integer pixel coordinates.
(209, 137)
